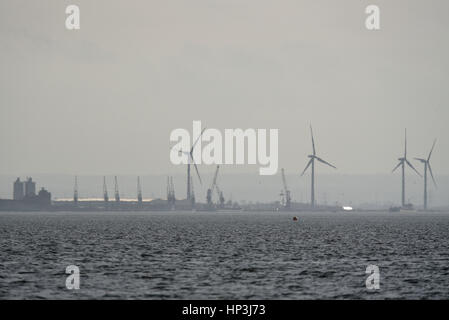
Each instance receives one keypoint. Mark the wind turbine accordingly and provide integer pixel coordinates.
(314, 157)
(402, 162)
(190, 160)
(427, 166)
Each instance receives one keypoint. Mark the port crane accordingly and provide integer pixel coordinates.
(171, 200)
(285, 193)
(117, 195)
(105, 190)
(168, 190)
(139, 191)
(221, 198)
(172, 188)
(210, 191)
(75, 191)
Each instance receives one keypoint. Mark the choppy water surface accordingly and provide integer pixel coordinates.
(225, 255)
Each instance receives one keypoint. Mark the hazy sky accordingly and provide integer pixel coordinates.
(104, 99)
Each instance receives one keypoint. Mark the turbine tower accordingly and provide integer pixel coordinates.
(402, 161)
(190, 160)
(314, 157)
(427, 167)
(192, 198)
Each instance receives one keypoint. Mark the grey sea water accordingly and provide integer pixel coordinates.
(224, 255)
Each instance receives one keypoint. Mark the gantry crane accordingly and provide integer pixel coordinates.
(171, 200)
(221, 199)
(210, 191)
(212, 187)
(139, 191)
(105, 190)
(117, 195)
(285, 193)
(75, 191)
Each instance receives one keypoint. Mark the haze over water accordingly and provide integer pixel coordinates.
(225, 255)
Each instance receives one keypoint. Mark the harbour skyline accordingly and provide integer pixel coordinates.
(381, 190)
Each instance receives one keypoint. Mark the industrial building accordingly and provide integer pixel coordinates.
(25, 197)
(30, 187)
(24, 189)
(18, 190)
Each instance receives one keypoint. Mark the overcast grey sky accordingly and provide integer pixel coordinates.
(104, 99)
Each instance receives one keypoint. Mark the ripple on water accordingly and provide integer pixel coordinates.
(224, 255)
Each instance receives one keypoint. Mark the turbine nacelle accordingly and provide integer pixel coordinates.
(190, 158)
(421, 160)
(403, 161)
(426, 162)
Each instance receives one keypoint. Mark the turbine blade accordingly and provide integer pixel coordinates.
(196, 169)
(399, 164)
(411, 166)
(197, 139)
(307, 166)
(325, 162)
(313, 141)
(421, 159)
(405, 151)
(431, 150)
(431, 173)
